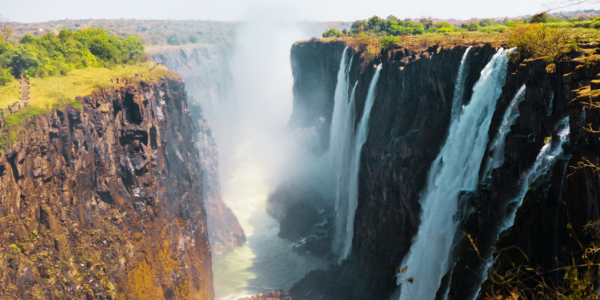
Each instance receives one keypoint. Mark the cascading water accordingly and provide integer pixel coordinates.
(343, 159)
(340, 145)
(347, 206)
(455, 168)
(497, 145)
(459, 89)
(543, 162)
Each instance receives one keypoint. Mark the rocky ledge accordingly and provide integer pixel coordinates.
(105, 201)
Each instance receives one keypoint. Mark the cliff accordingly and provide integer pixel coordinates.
(106, 201)
(205, 70)
(409, 122)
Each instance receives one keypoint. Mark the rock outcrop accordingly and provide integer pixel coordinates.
(205, 70)
(105, 202)
(409, 122)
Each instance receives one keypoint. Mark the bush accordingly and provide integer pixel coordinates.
(399, 30)
(473, 26)
(388, 42)
(194, 38)
(595, 25)
(5, 77)
(332, 33)
(444, 30)
(538, 40)
(417, 27)
(174, 39)
(361, 41)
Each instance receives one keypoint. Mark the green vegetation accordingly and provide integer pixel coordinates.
(52, 54)
(538, 40)
(378, 27)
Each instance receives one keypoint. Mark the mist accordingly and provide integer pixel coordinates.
(266, 152)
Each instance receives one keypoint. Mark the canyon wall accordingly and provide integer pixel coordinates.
(408, 125)
(105, 201)
(209, 82)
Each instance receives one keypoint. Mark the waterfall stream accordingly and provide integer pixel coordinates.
(459, 89)
(497, 145)
(456, 168)
(543, 162)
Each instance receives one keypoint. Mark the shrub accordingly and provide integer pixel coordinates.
(473, 26)
(538, 40)
(595, 25)
(5, 77)
(417, 27)
(388, 42)
(399, 30)
(370, 53)
(361, 41)
(444, 30)
(174, 39)
(194, 38)
(332, 33)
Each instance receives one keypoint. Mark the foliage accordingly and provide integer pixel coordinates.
(579, 279)
(332, 33)
(388, 42)
(445, 30)
(538, 40)
(361, 41)
(194, 38)
(5, 77)
(174, 39)
(51, 54)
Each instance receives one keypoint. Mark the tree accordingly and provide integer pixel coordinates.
(194, 38)
(23, 60)
(399, 30)
(174, 39)
(28, 38)
(6, 30)
(388, 42)
(332, 33)
(417, 27)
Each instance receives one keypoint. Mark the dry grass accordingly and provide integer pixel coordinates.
(52, 92)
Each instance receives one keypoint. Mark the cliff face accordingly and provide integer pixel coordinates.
(106, 201)
(205, 70)
(408, 124)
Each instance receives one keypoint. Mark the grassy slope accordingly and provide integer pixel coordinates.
(56, 91)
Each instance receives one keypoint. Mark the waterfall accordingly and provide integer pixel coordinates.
(455, 168)
(345, 215)
(459, 89)
(543, 162)
(344, 158)
(497, 146)
(340, 149)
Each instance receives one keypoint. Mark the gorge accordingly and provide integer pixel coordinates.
(306, 165)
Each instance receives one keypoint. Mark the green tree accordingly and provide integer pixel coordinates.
(473, 26)
(28, 38)
(417, 27)
(24, 61)
(399, 30)
(174, 39)
(332, 33)
(388, 42)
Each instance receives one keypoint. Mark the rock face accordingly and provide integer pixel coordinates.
(303, 216)
(205, 70)
(106, 201)
(409, 122)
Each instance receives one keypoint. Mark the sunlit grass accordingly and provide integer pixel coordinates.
(54, 92)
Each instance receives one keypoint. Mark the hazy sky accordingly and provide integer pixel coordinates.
(233, 10)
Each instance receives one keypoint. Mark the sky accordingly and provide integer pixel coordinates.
(29, 11)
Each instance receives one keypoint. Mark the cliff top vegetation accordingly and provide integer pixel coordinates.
(538, 36)
(60, 67)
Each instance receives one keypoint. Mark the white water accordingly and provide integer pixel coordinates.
(543, 162)
(497, 146)
(459, 89)
(455, 168)
(345, 215)
(340, 149)
(343, 159)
